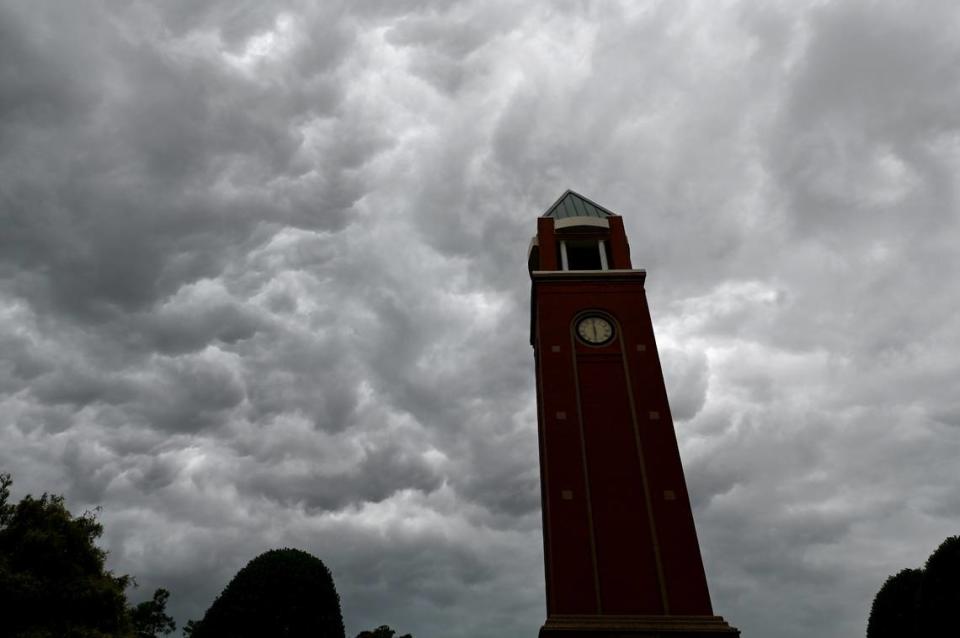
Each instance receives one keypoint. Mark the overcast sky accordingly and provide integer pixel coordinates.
(263, 283)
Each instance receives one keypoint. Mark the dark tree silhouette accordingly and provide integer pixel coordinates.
(283, 592)
(920, 602)
(383, 631)
(895, 609)
(940, 590)
(52, 576)
(150, 618)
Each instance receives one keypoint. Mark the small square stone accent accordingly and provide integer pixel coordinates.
(669, 495)
(554, 348)
(654, 416)
(641, 347)
(561, 416)
(566, 495)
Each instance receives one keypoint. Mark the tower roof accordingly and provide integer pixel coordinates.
(573, 204)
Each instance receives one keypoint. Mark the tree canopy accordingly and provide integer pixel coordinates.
(53, 582)
(150, 618)
(920, 602)
(282, 592)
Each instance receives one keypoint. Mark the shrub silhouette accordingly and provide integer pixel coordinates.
(282, 593)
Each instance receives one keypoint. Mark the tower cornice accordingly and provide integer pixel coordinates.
(590, 275)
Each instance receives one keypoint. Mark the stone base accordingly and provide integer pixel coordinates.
(612, 626)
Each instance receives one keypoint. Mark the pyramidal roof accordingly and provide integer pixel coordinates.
(573, 204)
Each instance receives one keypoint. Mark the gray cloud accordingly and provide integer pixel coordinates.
(262, 284)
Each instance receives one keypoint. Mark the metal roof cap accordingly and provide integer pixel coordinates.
(573, 204)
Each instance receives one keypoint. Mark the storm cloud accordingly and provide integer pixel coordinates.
(262, 284)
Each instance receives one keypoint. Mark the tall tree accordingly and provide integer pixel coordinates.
(53, 583)
(52, 576)
(282, 593)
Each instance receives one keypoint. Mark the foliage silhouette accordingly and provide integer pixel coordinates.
(52, 578)
(383, 631)
(895, 607)
(150, 618)
(282, 593)
(940, 590)
(920, 602)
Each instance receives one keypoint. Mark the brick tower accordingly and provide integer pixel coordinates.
(620, 546)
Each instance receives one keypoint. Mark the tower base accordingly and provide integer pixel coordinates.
(613, 626)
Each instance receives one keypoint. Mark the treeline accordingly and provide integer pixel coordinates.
(53, 584)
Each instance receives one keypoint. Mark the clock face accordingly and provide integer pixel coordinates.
(595, 330)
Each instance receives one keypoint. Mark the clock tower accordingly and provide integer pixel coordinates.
(620, 546)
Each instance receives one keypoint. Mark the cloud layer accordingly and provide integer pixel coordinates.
(262, 284)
